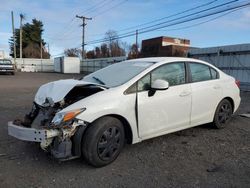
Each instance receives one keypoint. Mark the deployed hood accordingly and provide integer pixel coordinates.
(57, 90)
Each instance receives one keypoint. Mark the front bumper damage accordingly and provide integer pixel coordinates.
(63, 144)
(31, 134)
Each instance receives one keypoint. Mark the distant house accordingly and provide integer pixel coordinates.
(165, 46)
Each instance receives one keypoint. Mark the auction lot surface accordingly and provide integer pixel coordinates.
(197, 157)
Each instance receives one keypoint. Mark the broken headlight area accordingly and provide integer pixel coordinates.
(39, 116)
(49, 116)
(64, 119)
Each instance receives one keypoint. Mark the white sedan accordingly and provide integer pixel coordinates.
(126, 102)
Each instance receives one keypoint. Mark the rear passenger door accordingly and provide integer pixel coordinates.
(206, 92)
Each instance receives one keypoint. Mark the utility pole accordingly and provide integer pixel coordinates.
(41, 49)
(41, 53)
(83, 32)
(14, 38)
(136, 42)
(21, 35)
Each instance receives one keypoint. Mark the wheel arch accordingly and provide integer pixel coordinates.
(127, 127)
(227, 98)
(77, 138)
(125, 123)
(231, 101)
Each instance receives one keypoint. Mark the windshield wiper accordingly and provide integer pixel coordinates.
(97, 79)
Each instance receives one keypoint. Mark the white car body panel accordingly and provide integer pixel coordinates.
(167, 109)
(195, 107)
(205, 99)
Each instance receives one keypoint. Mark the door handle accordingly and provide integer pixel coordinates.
(185, 93)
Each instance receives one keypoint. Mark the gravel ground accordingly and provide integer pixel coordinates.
(197, 157)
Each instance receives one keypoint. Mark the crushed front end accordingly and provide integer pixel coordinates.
(57, 131)
(54, 135)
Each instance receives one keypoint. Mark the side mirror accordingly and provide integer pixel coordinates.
(158, 85)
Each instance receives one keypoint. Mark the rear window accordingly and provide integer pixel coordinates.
(201, 72)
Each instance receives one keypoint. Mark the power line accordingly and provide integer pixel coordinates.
(176, 19)
(97, 6)
(159, 19)
(189, 15)
(172, 15)
(71, 21)
(104, 1)
(202, 16)
(185, 16)
(176, 23)
(100, 13)
(200, 23)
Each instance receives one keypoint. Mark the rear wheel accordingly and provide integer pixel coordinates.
(103, 141)
(223, 114)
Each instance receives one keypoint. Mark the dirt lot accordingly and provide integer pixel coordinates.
(197, 157)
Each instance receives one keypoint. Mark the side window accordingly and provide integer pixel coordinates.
(199, 72)
(174, 73)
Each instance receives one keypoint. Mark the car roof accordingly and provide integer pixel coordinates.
(163, 59)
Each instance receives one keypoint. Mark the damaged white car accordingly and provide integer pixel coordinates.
(126, 103)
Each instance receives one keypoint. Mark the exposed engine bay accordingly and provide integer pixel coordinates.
(62, 145)
(47, 111)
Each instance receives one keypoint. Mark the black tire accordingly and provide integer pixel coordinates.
(223, 114)
(103, 141)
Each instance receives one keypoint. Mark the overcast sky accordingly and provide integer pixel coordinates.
(62, 30)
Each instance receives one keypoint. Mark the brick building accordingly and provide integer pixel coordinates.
(165, 46)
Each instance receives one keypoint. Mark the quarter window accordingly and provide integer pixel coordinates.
(214, 73)
(144, 83)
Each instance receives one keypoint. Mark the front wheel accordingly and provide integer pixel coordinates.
(103, 141)
(223, 114)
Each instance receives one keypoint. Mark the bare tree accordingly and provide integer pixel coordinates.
(72, 52)
(90, 54)
(98, 52)
(114, 44)
(132, 52)
(105, 50)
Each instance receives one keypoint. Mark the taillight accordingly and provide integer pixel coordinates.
(237, 82)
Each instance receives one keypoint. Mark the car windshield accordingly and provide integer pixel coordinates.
(118, 74)
(4, 61)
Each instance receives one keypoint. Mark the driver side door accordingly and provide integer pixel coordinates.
(167, 110)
